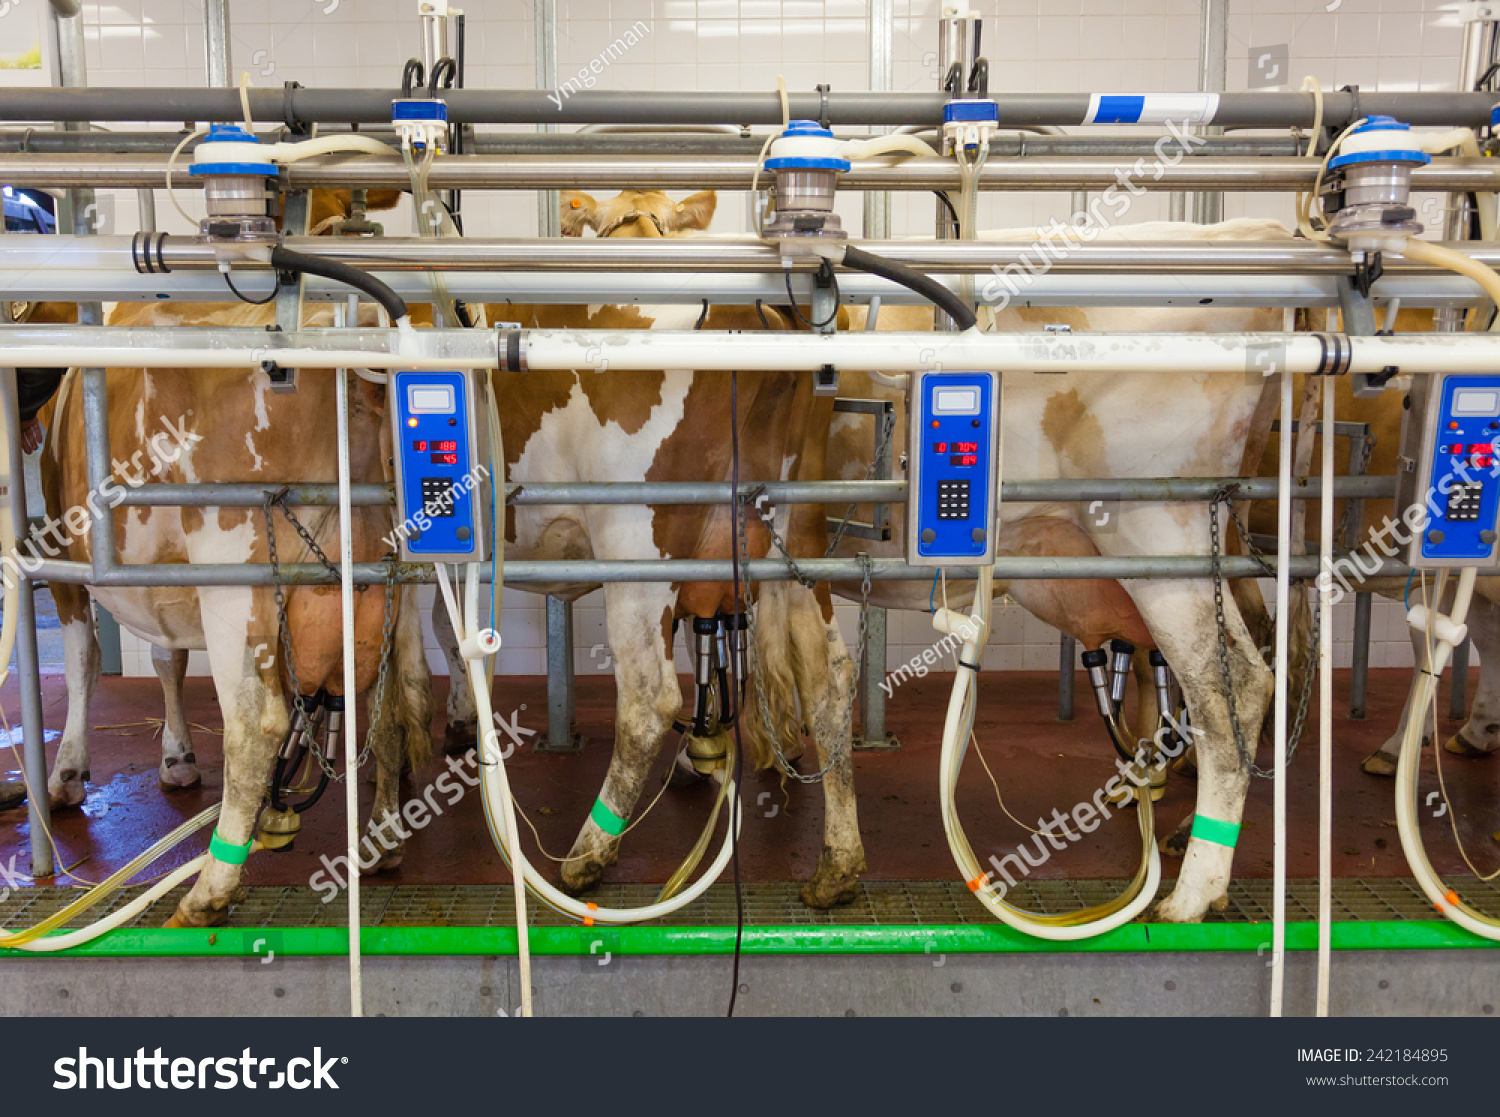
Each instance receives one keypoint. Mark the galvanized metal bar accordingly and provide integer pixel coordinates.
(1458, 693)
(739, 254)
(882, 19)
(1213, 45)
(635, 144)
(544, 19)
(34, 752)
(1241, 174)
(1360, 663)
(561, 700)
(588, 571)
(295, 214)
(573, 288)
(873, 735)
(1067, 652)
(98, 467)
(1254, 109)
(216, 46)
(252, 494)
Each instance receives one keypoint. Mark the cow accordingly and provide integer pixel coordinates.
(1151, 425)
(227, 425)
(592, 425)
(330, 212)
(1374, 540)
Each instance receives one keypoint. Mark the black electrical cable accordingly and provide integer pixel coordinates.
(912, 280)
(739, 743)
(253, 302)
(948, 205)
(284, 259)
(787, 275)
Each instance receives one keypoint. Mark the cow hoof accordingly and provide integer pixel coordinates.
(66, 789)
(458, 738)
(580, 875)
(1173, 910)
(1175, 844)
(388, 863)
(836, 881)
(1459, 747)
(208, 917)
(1221, 903)
(179, 772)
(1378, 764)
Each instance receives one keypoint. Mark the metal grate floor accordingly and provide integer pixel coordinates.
(878, 902)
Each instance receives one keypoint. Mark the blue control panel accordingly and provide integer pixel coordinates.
(1460, 482)
(951, 468)
(439, 487)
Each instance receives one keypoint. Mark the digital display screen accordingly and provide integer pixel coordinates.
(430, 399)
(964, 459)
(1474, 401)
(955, 401)
(420, 445)
(966, 447)
(444, 459)
(446, 446)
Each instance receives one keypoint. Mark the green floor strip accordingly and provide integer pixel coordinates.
(683, 941)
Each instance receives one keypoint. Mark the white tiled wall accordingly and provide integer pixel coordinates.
(1042, 45)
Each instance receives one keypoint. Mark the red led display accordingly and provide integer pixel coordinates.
(444, 459)
(939, 447)
(966, 447)
(964, 459)
(446, 447)
(420, 445)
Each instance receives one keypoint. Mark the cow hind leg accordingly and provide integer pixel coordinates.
(824, 672)
(1382, 762)
(1480, 735)
(179, 763)
(65, 786)
(255, 724)
(649, 697)
(399, 739)
(461, 733)
(1182, 618)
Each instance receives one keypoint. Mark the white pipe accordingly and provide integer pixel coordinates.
(351, 707)
(1325, 707)
(649, 350)
(1283, 623)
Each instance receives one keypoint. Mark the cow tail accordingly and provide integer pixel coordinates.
(773, 678)
(412, 681)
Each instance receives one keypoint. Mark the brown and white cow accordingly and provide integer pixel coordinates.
(1152, 425)
(593, 425)
(226, 425)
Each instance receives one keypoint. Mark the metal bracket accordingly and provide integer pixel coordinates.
(879, 526)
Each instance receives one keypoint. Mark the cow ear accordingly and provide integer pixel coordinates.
(579, 211)
(693, 213)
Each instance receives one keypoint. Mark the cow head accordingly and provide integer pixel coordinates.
(637, 213)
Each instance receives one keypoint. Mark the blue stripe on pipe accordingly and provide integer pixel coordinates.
(1117, 110)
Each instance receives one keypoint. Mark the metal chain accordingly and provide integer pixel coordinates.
(388, 624)
(769, 521)
(882, 446)
(1226, 496)
(835, 753)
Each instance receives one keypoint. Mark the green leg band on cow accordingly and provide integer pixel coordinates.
(1216, 831)
(606, 819)
(228, 852)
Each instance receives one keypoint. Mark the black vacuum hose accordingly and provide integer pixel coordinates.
(912, 280)
(285, 259)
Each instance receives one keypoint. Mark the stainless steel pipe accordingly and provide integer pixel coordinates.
(734, 172)
(1257, 109)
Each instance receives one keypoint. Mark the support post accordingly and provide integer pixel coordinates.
(1360, 664)
(561, 735)
(1067, 655)
(216, 42)
(544, 16)
(34, 752)
(1213, 46)
(877, 223)
(1458, 695)
(873, 735)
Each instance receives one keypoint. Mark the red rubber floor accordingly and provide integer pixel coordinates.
(1039, 762)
